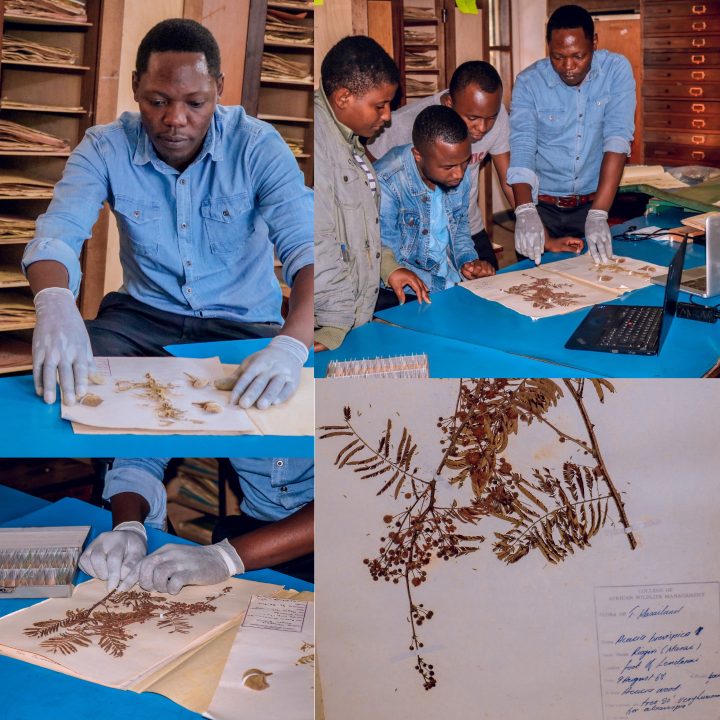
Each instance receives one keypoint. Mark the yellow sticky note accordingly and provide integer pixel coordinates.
(318, 2)
(469, 7)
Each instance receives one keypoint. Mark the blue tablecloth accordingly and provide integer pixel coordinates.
(689, 351)
(28, 692)
(14, 503)
(33, 429)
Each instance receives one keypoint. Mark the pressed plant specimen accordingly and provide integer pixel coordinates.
(553, 510)
(109, 621)
(545, 294)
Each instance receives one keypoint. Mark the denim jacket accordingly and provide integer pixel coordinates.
(405, 217)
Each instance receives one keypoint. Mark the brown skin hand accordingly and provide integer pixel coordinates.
(477, 269)
(177, 96)
(365, 114)
(571, 53)
(401, 277)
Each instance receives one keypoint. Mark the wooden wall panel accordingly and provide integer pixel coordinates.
(335, 20)
(380, 23)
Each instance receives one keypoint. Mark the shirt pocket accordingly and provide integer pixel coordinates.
(596, 109)
(410, 235)
(349, 188)
(139, 222)
(228, 223)
(551, 121)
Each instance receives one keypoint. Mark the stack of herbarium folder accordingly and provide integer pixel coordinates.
(16, 228)
(20, 185)
(14, 136)
(275, 67)
(20, 49)
(286, 27)
(61, 10)
(16, 309)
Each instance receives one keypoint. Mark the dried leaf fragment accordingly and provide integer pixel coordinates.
(96, 378)
(196, 382)
(209, 406)
(91, 400)
(255, 679)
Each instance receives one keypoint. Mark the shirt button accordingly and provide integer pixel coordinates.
(577, 157)
(226, 213)
(183, 226)
(188, 263)
(136, 213)
(581, 114)
(279, 463)
(188, 290)
(283, 488)
(424, 231)
(377, 255)
(182, 182)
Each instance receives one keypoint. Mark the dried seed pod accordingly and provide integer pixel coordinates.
(96, 378)
(255, 679)
(91, 400)
(196, 382)
(209, 406)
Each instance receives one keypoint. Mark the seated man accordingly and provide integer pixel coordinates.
(424, 207)
(571, 126)
(275, 528)
(359, 79)
(475, 93)
(201, 193)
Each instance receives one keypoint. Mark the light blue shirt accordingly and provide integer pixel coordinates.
(273, 488)
(197, 242)
(558, 133)
(439, 245)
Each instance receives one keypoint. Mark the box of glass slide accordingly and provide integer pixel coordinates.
(40, 562)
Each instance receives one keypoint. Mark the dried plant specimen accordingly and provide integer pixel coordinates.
(109, 620)
(309, 658)
(553, 511)
(91, 400)
(617, 266)
(96, 378)
(209, 407)
(157, 393)
(256, 679)
(196, 382)
(545, 294)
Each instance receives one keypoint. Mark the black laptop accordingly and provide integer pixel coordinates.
(631, 329)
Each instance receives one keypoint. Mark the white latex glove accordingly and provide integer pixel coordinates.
(598, 236)
(529, 232)
(173, 566)
(60, 346)
(268, 377)
(114, 555)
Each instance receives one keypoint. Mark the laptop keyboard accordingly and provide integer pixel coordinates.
(639, 328)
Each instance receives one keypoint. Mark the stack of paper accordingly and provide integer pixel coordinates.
(63, 10)
(413, 36)
(20, 185)
(16, 228)
(287, 27)
(419, 61)
(653, 175)
(15, 309)
(297, 146)
(413, 12)
(6, 104)
(14, 136)
(275, 67)
(698, 221)
(20, 49)
(11, 276)
(413, 86)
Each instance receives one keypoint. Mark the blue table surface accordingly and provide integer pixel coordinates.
(690, 349)
(14, 503)
(34, 429)
(63, 696)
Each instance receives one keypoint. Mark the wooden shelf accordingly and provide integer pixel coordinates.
(290, 6)
(45, 66)
(15, 241)
(302, 156)
(422, 46)
(45, 109)
(425, 71)
(419, 21)
(293, 46)
(23, 20)
(275, 81)
(284, 118)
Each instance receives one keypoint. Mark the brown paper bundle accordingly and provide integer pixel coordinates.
(419, 61)
(420, 87)
(288, 28)
(24, 186)
(16, 227)
(412, 12)
(72, 10)
(296, 146)
(15, 309)
(419, 37)
(14, 136)
(18, 49)
(275, 67)
(6, 104)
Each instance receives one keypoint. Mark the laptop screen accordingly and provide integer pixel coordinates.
(672, 290)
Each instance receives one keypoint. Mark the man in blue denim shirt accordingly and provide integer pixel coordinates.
(274, 530)
(425, 199)
(571, 125)
(201, 194)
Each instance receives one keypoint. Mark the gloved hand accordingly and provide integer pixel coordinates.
(114, 556)
(529, 232)
(598, 236)
(172, 567)
(269, 376)
(60, 346)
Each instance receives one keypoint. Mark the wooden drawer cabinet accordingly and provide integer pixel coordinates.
(681, 84)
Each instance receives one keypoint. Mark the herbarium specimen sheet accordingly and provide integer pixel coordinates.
(535, 548)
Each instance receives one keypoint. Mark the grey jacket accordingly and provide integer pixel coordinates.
(349, 259)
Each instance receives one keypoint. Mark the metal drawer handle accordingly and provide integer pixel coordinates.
(697, 74)
(698, 42)
(698, 107)
(697, 155)
(697, 59)
(698, 123)
(699, 9)
(696, 91)
(698, 139)
(699, 25)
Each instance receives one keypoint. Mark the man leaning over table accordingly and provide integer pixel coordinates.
(202, 194)
(275, 528)
(571, 125)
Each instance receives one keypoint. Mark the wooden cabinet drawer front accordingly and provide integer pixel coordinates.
(690, 59)
(660, 121)
(699, 43)
(682, 26)
(697, 10)
(689, 76)
(655, 153)
(701, 108)
(690, 91)
(699, 140)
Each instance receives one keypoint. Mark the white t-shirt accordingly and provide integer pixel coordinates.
(399, 132)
